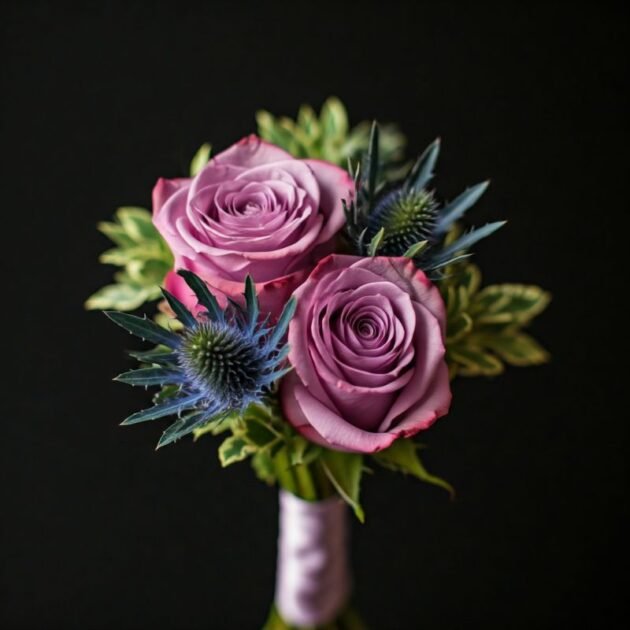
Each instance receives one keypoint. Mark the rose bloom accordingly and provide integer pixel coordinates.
(367, 348)
(253, 209)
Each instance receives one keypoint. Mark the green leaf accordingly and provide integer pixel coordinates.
(148, 272)
(257, 433)
(458, 327)
(200, 158)
(124, 297)
(137, 223)
(509, 303)
(334, 118)
(118, 256)
(302, 451)
(307, 120)
(516, 348)
(344, 471)
(216, 425)
(234, 449)
(474, 361)
(168, 322)
(116, 233)
(144, 255)
(262, 463)
(416, 249)
(470, 278)
(402, 456)
(269, 129)
(456, 300)
(375, 243)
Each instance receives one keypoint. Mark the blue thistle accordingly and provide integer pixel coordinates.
(219, 364)
(406, 219)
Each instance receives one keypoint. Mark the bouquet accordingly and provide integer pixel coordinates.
(315, 300)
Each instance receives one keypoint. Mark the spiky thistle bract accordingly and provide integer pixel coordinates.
(405, 219)
(221, 362)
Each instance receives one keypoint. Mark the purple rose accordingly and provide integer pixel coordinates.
(367, 348)
(253, 209)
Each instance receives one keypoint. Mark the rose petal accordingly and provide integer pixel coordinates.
(251, 151)
(303, 410)
(165, 188)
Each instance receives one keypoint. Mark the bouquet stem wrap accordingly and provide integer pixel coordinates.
(313, 576)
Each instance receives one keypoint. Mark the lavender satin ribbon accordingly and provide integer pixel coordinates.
(313, 577)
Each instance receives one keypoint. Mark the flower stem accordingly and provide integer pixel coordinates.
(305, 483)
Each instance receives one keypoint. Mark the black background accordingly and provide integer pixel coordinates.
(100, 531)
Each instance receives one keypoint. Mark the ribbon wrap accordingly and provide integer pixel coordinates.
(313, 576)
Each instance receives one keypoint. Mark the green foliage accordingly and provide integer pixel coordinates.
(484, 326)
(200, 158)
(402, 456)
(328, 136)
(252, 432)
(143, 256)
(279, 455)
(344, 471)
(234, 449)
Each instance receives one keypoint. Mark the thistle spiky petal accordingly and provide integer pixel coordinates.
(219, 363)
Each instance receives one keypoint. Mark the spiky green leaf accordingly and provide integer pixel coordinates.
(372, 162)
(144, 328)
(283, 322)
(145, 377)
(251, 302)
(161, 356)
(181, 427)
(456, 209)
(168, 407)
(422, 171)
(467, 240)
(200, 289)
(181, 311)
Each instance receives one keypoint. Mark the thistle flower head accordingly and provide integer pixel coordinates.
(220, 363)
(405, 219)
(223, 360)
